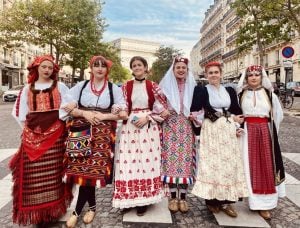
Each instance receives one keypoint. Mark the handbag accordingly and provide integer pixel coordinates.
(78, 143)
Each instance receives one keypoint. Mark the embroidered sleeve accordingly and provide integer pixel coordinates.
(119, 100)
(198, 117)
(63, 90)
(160, 104)
(124, 92)
(21, 109)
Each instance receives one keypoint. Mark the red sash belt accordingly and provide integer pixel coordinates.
(256, 119)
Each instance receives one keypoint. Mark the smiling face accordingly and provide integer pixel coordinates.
(213, 75)
(45, 69)
(138, 69)
(254, 79)
(99, 70)
(180, 70)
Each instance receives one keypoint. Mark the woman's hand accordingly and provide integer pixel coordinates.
(90, 117)
(165, 114)
(239, 132)
(141, 122)
(239, 119)
(69, 107)
(123, 115)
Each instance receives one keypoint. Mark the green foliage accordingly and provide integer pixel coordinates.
(72, 28)
(67, 26)
(164, 60)
(119, 74)
(260, 25)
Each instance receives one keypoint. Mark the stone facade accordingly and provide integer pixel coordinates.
(132, 47)
(218, 43)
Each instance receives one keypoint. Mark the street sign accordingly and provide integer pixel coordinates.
(287, 63)
(288, 52)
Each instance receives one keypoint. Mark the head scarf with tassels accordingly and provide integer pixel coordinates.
(33, 68)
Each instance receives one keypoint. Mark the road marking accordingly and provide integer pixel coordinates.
(5, 190)
(6, 153)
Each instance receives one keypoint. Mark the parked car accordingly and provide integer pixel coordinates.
(293, 88)
(12, 94)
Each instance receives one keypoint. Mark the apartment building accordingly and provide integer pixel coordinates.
(218, 43)
(132, 47)
(195, 57)
(212, 34)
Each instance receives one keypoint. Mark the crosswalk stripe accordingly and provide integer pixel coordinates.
(5, 190)
(6, 153)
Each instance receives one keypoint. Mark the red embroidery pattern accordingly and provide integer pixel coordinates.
(137, 188)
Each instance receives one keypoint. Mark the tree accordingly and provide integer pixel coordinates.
(287, 12)
(164, 60)
(64, 25)
(259, 26)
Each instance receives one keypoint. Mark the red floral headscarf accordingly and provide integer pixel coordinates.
(33, 68)
(96, 58)
(253, 68)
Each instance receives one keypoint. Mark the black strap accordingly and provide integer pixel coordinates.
(80, 94)
(110, 88)
(111, 95)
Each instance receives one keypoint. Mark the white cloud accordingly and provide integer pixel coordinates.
(169, 22)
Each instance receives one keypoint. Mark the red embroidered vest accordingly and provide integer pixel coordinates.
(44, 100)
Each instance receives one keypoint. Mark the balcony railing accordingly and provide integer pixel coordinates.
(210, 18)
(214, 40)
(213, 55)
(231, 38)
(233, 22)
(227, 13)
(230, 53)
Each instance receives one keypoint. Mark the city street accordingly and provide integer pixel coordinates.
(287, 214)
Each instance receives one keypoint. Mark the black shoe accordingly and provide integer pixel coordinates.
(140, 211)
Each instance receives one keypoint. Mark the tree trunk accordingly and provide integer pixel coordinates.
(81, 75)
(72, 77)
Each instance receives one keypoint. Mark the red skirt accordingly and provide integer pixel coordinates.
(260, 156)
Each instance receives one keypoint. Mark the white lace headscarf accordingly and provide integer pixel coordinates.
(265, 82)
(170, 89)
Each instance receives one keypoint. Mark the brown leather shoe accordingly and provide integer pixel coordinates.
(89, 217)
(265, 214)
(71, 223)
(229, 210)
(213, 209)
(183, 206)
(173, 205)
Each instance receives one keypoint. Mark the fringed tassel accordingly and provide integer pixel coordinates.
(35, 216)
(51, 212)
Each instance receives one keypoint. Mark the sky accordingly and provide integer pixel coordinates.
(170, 22)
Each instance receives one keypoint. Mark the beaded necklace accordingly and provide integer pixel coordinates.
(94, 90)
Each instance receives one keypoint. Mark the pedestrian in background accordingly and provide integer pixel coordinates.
(94, 101)
(220, 177)
(178, 151)
(137, 161)
(262, 156)
(39, 195)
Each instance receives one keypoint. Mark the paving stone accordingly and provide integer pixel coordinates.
(244, 216)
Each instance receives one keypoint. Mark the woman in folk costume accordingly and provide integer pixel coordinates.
(177, 134)
(138, 157)
(94, 100)
(220, 179)
(262, 156)
(39, 195)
